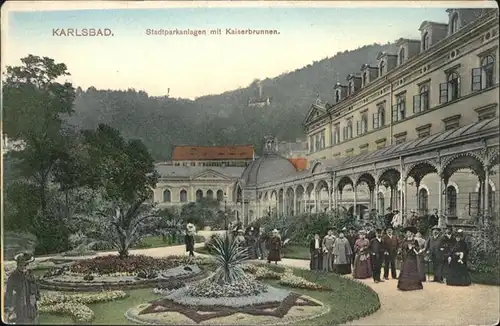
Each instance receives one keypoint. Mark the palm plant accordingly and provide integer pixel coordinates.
(229, 259)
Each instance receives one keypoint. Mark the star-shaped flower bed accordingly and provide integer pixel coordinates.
(200, 314)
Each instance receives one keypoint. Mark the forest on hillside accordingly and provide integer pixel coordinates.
(223, 119)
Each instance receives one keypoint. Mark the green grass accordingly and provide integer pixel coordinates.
(344, 301)
(108, 313)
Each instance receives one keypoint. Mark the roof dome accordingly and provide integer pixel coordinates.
(268, 167)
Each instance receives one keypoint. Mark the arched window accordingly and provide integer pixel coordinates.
(210, 194)
(381, 203)
(451, 198)
(364, 124)
(381, 115)
(349, 129)
(365, 78)
(488, 71)
(454, 24)
(425, 41)
(423, 201)
(199, 194)
(183, 196)
(402, 57)
(220, 195)
(337, 96)
(381, 68)
(351, 88)
(166, 196)
(453, 86)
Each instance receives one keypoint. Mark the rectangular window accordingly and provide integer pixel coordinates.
(375, 121)
(358, 128)
(476, 79)
(394, 113)
(443, 93)
(416, 104)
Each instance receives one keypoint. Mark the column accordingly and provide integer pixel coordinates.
(405, 197)
(486, 194)
(354, 209)
(418, 197)
(243, 208)
(340, 198)
(315, 200)
(377, 208)
(445, 194)
(391, 201)
(440, 200)
(285, 206)
(295, 202)
(330, 194)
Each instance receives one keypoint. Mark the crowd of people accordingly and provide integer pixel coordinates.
(365, 253)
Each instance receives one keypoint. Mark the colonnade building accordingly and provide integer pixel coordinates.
(417, 131)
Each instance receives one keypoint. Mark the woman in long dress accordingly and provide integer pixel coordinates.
(409, 277)
(421, 256)
(274, 248)
(251, 241)
(459, 275)
(362, 264)
(342, 255)
(316, 251)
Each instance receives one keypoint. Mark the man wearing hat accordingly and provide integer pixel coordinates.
(432, 249)
(445, 247)
(189, 238)
(377, 250)
(392, 244)
(22, 292)
(274, 253)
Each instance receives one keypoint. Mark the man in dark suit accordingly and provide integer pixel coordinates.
(352, 237)
(377, 250)
(445, 247)
(432, 249)
(433, 218)
(392, 244)
(371, 231)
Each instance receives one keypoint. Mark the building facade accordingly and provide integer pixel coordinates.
(417, 131)
(201, 171)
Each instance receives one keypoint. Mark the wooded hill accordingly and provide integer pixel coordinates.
(223, 119)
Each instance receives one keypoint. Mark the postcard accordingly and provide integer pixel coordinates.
(250, 162)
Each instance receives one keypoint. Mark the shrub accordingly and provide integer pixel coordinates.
(483, 249)
(300, 228)
(229, 259)
(265, 274)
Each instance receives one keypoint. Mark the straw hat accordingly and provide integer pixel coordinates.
(24, 257)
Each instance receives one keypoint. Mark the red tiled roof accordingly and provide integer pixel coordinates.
(198, 153)
(300, 163)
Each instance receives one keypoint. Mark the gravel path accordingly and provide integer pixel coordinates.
(436, 304)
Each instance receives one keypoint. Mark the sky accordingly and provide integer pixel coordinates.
(192, 66)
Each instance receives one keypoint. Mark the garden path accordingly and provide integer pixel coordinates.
(436, 304)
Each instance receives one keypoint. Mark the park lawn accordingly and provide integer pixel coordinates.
(107, 313)
(344, 302)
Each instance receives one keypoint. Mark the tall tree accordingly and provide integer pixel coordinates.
(34, 105)
(125, 175)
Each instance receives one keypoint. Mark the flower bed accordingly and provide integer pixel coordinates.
(227, 297)
(114, 264)
(277, 308)
(210, 289)
(62, 280)
(75, 305)
(284, 276)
